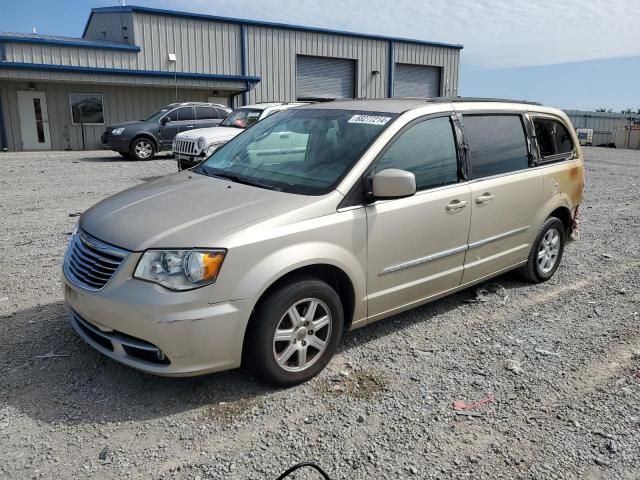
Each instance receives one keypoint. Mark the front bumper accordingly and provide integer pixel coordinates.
(188, 161)
(152, 329)
(115, 143)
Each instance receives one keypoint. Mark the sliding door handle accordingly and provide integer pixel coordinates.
(456, 205)
(485, 198)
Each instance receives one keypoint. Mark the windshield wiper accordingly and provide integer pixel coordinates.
(244, 181)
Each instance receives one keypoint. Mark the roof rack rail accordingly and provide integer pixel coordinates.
(479, 99)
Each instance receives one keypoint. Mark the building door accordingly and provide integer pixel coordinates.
(416, 81)
(34, 120)
(324, 78)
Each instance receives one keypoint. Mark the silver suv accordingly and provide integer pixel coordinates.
(316, 221)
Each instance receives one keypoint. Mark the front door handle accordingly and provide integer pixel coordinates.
(190, 126)
(456, 205)
(485, 198)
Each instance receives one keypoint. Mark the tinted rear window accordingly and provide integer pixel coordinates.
(497, 144)
(206, 113)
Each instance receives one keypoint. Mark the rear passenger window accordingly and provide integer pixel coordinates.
(497, 144)
(553, 137)
(206, 113)
(222, 114)
(428, 150)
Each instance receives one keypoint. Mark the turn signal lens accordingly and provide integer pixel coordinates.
(203, 266)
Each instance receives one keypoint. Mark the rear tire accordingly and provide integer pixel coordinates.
(294, 332)
(546, 252)
(142, 149)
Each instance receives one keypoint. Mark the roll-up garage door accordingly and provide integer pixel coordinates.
(416, 81)
(319, 78)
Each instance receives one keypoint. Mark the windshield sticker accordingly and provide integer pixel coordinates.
(369, 119)
(253, 114)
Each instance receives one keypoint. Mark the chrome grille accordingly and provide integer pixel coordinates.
(90, 263)
(186, 147)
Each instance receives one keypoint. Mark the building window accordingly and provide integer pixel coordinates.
(86, 108)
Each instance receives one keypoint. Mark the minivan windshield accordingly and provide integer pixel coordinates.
(242, 118)
(305, 151)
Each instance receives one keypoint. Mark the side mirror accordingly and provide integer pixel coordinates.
(164, 121)
(393, 183)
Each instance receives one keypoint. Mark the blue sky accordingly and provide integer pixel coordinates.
(574, 55)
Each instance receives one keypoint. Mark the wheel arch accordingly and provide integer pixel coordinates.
(557, 206)
(331, 274)
(147, 135)
(564, 215)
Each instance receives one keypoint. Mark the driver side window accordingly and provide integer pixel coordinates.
(428, 150)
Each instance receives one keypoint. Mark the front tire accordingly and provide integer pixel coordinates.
(142, 149)
(546, 253)
(294, 333)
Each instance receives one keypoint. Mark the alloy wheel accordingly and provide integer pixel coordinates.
(302, 335)
(549, 250)
(144, 149)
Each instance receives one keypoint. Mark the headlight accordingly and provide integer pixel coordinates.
(201, 143)
(117, 131)
(180, 269)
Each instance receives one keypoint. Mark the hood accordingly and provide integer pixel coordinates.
(183, 210)
(211, 135)
(124, 124)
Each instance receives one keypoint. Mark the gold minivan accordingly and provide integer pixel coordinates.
(318, 220)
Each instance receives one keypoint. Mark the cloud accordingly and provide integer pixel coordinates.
(495, 33)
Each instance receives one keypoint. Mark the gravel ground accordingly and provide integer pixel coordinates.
(561, 362)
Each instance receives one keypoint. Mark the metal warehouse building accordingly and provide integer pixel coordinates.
(58, 93)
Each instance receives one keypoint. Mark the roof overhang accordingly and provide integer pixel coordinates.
(71, 42)
(121, 71)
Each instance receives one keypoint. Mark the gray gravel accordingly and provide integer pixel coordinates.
(560, 360)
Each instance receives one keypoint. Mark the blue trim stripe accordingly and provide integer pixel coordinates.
(260, 23)
(71, 42)
(391, 69)
(3, 133)
(243, 60)
(120, 71)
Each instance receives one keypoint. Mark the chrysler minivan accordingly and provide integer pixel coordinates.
(318, 220)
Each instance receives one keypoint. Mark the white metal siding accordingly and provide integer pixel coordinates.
(201, 46)
(324, 78)
(416, 81)
(447, 58)
(271, 54)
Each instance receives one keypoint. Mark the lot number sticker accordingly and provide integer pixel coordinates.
(369, 119)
